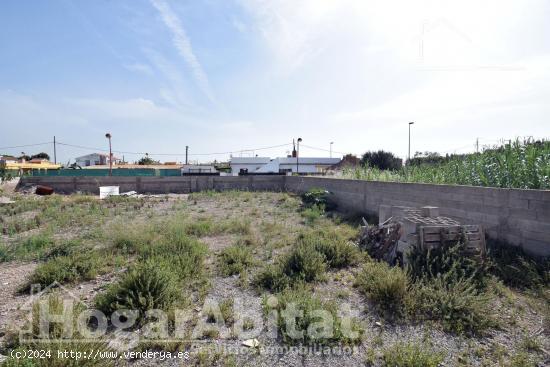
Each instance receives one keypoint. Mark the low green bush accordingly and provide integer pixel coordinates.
(385, 286)
(301, 264)
(315, 252)
(33, 247)
(310, 325)
(133, 239)
(65, 248)
(4, 254)
(338, 252)
(411, 355)
(516, 268)
(147, 285)
(304, 263)
(449, 261)
(317, 197)
(67, 269)
(313, 213)
(235, 259)
(459, 306)
(272, 278)
(200, 228)
(183, 254)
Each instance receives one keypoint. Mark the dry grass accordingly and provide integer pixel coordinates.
(214, 245)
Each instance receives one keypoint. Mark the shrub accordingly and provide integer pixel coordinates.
(382, 160)
(182, 254)
(304, 263)
(310, 322)
(338, 253)
(33, 247)
(385, 286)
(313, 213)
(200, 228)
(273, 278)
(516, 268)
(4, 254)
(66, 248)
(449, 261)
(317, 197)
(235, 259)
(133, 239)
(411, 355)
(308, 261)
(148, 285)
(459, 306)
(66, 269)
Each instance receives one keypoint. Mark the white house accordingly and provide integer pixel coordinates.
(281, 165)
(198, 168)
(94, 159)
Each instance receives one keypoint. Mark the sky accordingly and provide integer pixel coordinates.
(235, 76)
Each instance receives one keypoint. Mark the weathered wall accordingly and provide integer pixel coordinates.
(521, 217)
(158, 185)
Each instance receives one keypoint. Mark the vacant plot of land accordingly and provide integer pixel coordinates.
(235, 264)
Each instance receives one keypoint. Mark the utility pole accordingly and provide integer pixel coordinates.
(331, 148)
(108, 136)
(186, 154)
(477, 145)
(410, 123)
(297, 157)
(54, 152)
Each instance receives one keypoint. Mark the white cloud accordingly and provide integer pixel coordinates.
(183, 45)
(365, 68)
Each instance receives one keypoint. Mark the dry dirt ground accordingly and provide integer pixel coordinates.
(274, 220)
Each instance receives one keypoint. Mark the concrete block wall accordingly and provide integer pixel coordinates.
(520, 217)
(158, 185)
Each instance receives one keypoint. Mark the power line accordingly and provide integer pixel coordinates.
(26, 145)
(172, 154)
(324, 150)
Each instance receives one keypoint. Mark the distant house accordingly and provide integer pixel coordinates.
(21, 166)
(189, 169)
(8, 159)
(94, 159)
(281, 165)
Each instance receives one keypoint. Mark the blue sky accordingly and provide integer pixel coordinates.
(224, 76)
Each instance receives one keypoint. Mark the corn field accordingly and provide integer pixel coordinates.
(520, 164)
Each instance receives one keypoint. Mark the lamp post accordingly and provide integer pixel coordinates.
(298, 157)
(108, 136)
(331, 148)
(410, 123)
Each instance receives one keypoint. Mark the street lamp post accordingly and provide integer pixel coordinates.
(108, 136)
(331, 148)
(298, 157)
(410, 123)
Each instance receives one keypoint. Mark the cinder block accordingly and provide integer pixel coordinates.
(430, 211)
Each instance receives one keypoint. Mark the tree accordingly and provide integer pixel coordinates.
(147, 160)
(426, 158)
(41, 155)
(382, 160)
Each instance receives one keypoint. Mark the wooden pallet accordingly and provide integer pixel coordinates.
(430, 237)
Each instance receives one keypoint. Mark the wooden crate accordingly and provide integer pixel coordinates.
(430, 237)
